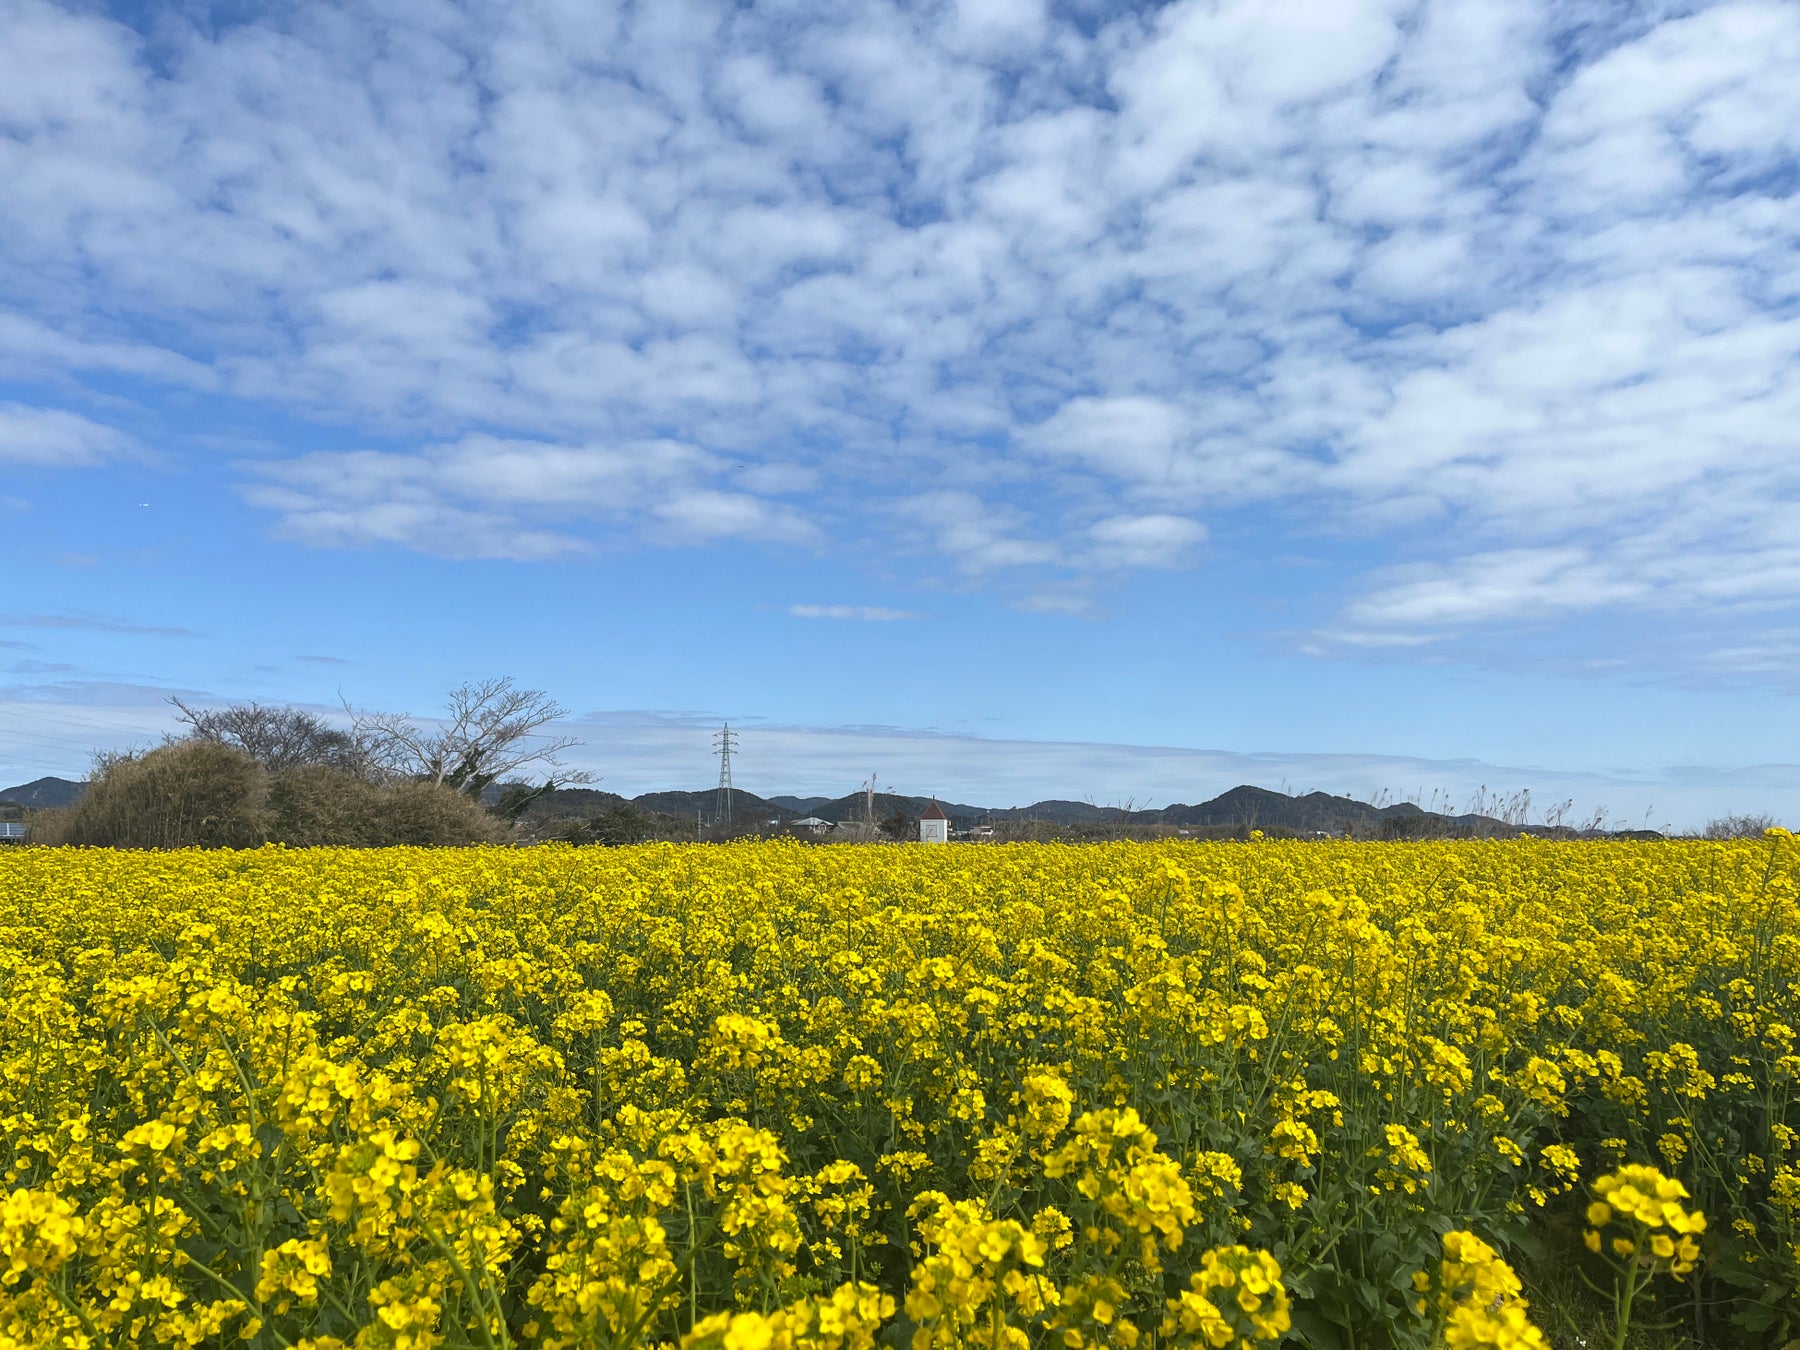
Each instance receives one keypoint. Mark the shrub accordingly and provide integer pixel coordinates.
(426, 814)
(191, 794)
(321, 807)
(622, 824)
(619, 823)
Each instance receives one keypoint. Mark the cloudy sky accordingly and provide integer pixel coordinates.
(1383, 391)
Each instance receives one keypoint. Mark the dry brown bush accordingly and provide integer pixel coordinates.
(428, 814)
(317, 806)
(192, 794)
(50, 825)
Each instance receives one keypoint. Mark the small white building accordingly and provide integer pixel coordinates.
(934, 825)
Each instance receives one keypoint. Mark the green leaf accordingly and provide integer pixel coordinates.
(1315, 1332)
(1755, 1317)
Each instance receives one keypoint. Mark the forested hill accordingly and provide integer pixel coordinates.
(43, 793)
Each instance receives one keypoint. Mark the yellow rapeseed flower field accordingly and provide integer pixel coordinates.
(759, 1096)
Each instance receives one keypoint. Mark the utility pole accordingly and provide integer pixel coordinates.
(726, 741)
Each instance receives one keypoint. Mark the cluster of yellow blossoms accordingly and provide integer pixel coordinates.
(771, 1097)
(1657, 1228)
(1235, 1299)
(1477, 1301)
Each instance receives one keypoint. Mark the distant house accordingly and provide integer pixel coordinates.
(934, 825)
(14, 832)
(812, 823)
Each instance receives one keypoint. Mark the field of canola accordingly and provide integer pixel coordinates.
(764, 1096)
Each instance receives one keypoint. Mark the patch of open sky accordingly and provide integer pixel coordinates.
(251, 428)
(517, 322)
(1376, 322)
(1091, 17)
(163, 29)
(1724, 177)
(1584, 30)
(916, 211)
(1030, 395)
(141, 407)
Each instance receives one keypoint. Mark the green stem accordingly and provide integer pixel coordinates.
(1624, 1308)
(87, 1323)
(224, 1283)
(474, 1291)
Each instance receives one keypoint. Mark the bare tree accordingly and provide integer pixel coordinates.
(1745, 826)
(278, 738)
(492, 730)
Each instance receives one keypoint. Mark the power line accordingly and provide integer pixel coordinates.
(51, 742)
(33, 714)
(32, 736)
(51, 735)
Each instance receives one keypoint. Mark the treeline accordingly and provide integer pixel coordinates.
(249, 774)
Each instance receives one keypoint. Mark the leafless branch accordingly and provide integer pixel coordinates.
(491, 731)
(278, 738)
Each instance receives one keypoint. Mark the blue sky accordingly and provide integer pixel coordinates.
(1012, 400)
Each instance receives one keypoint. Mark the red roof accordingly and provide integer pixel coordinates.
(933, 812)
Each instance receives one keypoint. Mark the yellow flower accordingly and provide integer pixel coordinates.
(642, 1092)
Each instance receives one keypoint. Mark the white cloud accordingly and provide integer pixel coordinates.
(998, 27)
(703, 516)
(426, 524)
(485, 496)
(1716, 85)
(51, 438)
(1071, 602)
(1485, 586)
(30, 348)
(980, 536)
(862, 613)
(1501, 288)
(1145, 541)
(1132, 438)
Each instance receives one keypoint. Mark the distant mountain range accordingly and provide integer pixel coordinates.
(42, 793)
(1242, 807)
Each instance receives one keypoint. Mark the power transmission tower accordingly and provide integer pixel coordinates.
(726, 741)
